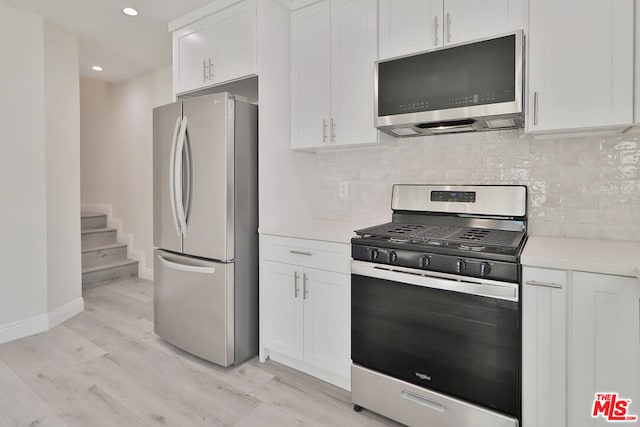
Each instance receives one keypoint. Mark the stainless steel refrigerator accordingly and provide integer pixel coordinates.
(205, 227)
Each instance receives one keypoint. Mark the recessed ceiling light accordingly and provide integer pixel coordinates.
(97, 68)
(130, 11)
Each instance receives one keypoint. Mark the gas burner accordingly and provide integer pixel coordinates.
(482, 238)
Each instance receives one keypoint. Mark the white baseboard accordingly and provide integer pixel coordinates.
(65, 312)
(23, 328)
(125, 238)
(35, 325)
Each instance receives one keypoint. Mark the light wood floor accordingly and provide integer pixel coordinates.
(105, 367)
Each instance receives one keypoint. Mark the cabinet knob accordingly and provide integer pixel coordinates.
(460, 266)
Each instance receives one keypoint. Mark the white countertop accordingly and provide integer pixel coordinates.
(597, 256)
(328, 231)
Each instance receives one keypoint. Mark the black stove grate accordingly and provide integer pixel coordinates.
(431, 234)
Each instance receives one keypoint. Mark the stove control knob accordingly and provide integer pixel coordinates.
(424, 261)
(485, 269)
(460, 266)
(374, 254)
(393, 256)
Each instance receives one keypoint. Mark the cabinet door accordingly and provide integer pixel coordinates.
(281, 297)
(580, 74)
(604, 344)
(468, 20)
(310, 75)
(327, 324)
(191, 52)
(544, 319)
(409, 26)
(353, 53)
(233, 42)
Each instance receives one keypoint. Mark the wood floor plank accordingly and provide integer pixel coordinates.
(106, 367)
(20, 405)
(135, 288)
(168, 374)
(51, 364)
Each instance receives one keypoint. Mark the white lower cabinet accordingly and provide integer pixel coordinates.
(604, 343)
(580, 336)
(544, 347)
(304, 307)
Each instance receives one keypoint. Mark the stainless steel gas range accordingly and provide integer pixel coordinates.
(435, 307)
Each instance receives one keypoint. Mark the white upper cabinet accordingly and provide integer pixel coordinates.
(215, 49)
(310, 75)
(411, 26)
(465, 20)
(580, 60)
(333, 50)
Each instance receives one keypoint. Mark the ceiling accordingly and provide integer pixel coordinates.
(124, 46)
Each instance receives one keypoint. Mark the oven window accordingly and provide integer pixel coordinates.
(463, 345)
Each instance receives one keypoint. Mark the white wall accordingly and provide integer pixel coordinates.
(39, 179)
(117, 150)
(585, 187)
(23, 251)
(62, 146)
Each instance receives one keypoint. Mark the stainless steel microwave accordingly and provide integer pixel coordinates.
(466, 87)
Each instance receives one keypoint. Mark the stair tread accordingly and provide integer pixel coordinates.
(103, 247)
(91, 214)
(97, 230)
(109, 266)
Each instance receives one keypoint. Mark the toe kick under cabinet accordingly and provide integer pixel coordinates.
(304, 306)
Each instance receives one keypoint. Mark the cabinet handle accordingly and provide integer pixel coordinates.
(544, 284)
(296, 288)
(435, 30)
(210, 69)
(535, 108)
(324, 131)
(305, 287)
(297, 252)
(205, 71)
(333, 130)
(448, 27)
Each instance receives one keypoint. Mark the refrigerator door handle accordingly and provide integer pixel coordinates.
(185, 267)
(178, 177)
(172, 179)
(189, 175)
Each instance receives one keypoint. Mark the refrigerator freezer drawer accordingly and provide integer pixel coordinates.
(193, 305)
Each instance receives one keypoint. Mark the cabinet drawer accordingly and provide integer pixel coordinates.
(307, 253)
(533, 276)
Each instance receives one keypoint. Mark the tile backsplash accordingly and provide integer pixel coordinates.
(586, 187)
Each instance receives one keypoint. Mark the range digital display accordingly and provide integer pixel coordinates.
(453, 196)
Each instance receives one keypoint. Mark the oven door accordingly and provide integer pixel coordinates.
(456, 335)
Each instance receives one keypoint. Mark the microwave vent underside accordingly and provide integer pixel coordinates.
(454, 126)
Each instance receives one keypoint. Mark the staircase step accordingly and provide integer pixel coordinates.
(98, 237)
(90, 220)
(94, 276)
(106, 254)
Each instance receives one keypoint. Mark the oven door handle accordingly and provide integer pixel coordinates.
(429, 279)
